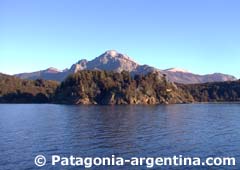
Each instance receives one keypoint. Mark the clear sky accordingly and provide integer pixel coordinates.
(202, 36)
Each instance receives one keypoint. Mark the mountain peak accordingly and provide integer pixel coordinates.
(115, 54)
(112, 60)
(112, 53)
(53, 70)
(177, 70)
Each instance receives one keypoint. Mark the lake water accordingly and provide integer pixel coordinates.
(200, 130)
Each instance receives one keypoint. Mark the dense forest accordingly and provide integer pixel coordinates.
(104, 87)
(214, 92)
(15, 90)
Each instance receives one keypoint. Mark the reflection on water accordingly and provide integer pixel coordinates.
(200, 130)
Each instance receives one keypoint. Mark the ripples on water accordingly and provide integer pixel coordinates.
(200, 130)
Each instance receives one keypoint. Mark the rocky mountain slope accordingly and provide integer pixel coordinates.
(113, 61)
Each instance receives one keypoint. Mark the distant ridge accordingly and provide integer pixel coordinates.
(177, 70)
(112, 60)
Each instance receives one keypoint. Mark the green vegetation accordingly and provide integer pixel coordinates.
(214, 92)
(15, 90)
(102, 87)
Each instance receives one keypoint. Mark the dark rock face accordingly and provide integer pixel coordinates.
(113, 61)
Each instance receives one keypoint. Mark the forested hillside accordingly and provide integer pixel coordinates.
(15, 90)
(107, 87)
(214, 92)
(101, 87)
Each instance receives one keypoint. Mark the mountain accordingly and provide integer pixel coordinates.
(48, 74)
(180, 76)
(114, 61)
(174, 70)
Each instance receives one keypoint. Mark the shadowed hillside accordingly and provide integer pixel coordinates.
(108, 87)
(101, 87)
(15, 90)
(214, 92)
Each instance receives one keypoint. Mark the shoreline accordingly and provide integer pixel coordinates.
(227, 102)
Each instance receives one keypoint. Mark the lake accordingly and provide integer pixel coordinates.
(201, 130)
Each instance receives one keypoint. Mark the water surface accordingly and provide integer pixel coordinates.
(200, 130)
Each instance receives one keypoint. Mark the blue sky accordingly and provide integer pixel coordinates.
(202, 36)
